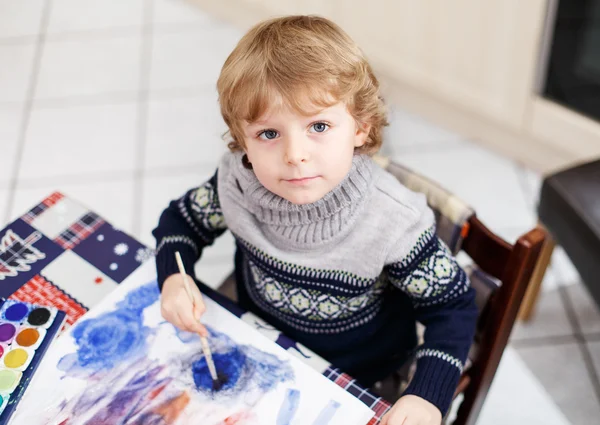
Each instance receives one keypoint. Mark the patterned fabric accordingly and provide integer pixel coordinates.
(79, 230)
(202, 212)
(176, 239)
(429, 274)
(40, 291)
(440, 355)
(197, 220)
(376, 404)
(41, 207)
(43, 259)
(313, 308)
(205, 207)
(451, 213)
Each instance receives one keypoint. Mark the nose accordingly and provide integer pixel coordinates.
(296, 151)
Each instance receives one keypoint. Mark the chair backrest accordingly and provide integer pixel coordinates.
(500, 275)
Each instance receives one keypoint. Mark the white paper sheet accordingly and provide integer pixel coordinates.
(121, 363)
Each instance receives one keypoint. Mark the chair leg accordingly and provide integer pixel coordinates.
(535, 284)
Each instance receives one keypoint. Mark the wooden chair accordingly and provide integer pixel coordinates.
(500, 275)
(513, 266)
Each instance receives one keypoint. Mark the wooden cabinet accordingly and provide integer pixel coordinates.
(479, 55)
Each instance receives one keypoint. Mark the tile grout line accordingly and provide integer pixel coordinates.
(116, 175)
(142, 124)
(592, 337)
(117, 98)
(27, 107)
(112, 32)
(544, 341)
(581, 341)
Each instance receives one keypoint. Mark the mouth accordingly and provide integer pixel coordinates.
(301, 180)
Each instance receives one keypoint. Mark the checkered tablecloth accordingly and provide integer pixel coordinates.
(64, 255)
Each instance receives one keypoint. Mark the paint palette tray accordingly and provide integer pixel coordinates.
(26, 332)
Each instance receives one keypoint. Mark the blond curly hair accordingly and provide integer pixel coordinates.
(304, 62)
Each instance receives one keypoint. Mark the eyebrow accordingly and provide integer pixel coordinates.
(320, 112)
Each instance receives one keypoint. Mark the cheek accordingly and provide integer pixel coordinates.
(263, 166)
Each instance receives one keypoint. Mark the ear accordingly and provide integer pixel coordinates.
(362, 134)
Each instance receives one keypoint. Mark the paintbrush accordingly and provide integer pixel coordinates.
(205, 347)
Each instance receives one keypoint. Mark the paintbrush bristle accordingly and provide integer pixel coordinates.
(219, 382)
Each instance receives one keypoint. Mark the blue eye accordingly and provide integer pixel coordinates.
(268, 135)
(320, 127)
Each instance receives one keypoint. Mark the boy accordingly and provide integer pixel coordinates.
(331, 249)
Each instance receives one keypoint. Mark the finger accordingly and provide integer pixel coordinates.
(384, 420)
(199, 309)
(200, 328)
(198, 301)
(397, 418)
(178, 322)
(202, 331)
(193, 325)
(190, 324)
(410, 421)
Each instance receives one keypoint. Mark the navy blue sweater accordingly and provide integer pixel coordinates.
(363, 324)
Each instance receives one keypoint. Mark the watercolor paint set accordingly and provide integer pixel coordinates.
(26, 332)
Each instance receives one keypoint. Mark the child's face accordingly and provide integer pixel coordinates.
(303, 158)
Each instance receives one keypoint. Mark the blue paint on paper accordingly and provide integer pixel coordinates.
(140, 298)
(117, 342)
(240, 368)
(288, 408)
(105, 341)
(187, 337)
(327, 413)
(268, 370)
(112, 338)
(229, 366)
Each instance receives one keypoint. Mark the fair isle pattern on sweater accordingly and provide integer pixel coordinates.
(440, 355)
(176, 239)
(328, 301)
(429, 274)
(206, 209)
(307, 306)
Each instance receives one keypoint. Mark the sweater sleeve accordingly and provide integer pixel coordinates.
(444, 303)
(187, 225)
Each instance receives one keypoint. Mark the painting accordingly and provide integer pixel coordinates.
(122, 363)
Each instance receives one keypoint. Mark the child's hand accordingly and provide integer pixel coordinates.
(412, 410)
(177, 308)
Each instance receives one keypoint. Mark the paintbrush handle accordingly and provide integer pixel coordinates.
(205, 347)
(186, 284)
(209, 360)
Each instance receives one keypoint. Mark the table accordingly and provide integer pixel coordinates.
(62, 254)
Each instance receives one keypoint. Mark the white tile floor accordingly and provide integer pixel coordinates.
(114, 103)
(15, 70)
(20, 19)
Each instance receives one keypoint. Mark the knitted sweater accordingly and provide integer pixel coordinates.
(348, 276)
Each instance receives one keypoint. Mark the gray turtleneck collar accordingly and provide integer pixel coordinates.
(301, 226)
